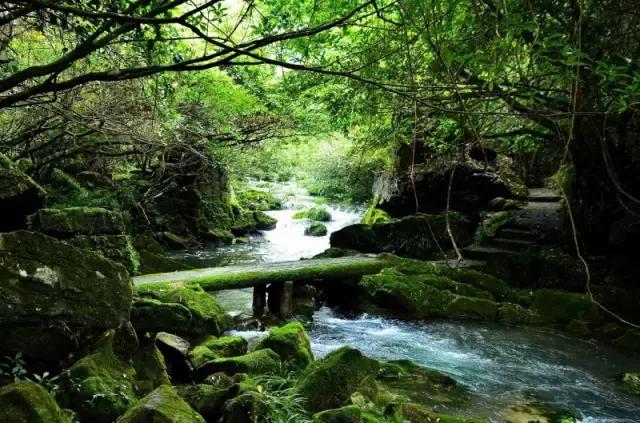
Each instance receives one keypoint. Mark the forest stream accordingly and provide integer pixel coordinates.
(501, 365)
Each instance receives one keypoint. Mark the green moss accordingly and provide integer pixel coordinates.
(80, 220)
(207, 317)
(492, 224)
(330, 382)
(252, 199)
(101, 384)
(152, 315)
(248, 407)
(416, 413)
(207, 400)
(515, 314)
(264, 221)
(151, 370)
(423, 296)
(161, 405)
(263, 361)
(316, 229)
(318, 214)
(564, 179)
(28, 402)
(291, 343)
(174, 241)
(631, 383)
(535, 412)
(118, 248)
(560, 307)
(374, 215)
(212, 348)
(348, 414)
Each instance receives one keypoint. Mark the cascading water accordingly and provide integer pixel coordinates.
(501, 365)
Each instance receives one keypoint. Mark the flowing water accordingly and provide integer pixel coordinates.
(501, 365)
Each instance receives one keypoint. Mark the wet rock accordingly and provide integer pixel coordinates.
(330, 382)
(251, 221)
(118, 248)
(316, 229)
(156, 263)
(525, 413)
(248, 407)
(20, 196)
(257, 362)
(161, 405)
(174, 241)
(79, 220)
(175, 350)
(416, 236)
(561, 307)
(28, 402)
(631, 383)
(151, 315)
(150, 366)
(291, 343)
(207, 317)
(55, 297)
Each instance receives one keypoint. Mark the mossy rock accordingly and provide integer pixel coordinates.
(535, 412)
(213, 347)
(420, 236)
(252, 221)
(80, 221)
(347, 414)
(330, 382)
(258, 362)
(316, 229)
(318, 214)
(61, 186)
(264, 222)
(291, 343)
(161, 405)
(54, 296)
(150, 367)
(151, 315)
(374, 215)
(174, 241)
(631, 382)
(28, 402)
(118, 248)
(515, 314)
(248, 407)
(252, 199)
(492, 224)
(20, 196)
(220, 236)
(207, 317)
(416, 413)
(101, 385)
(427, 295)
(147, 242)
(206, 399)
(156, 263)
(561, 307)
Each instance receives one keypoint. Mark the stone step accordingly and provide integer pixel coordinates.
(519, 234)
(485, 253)
(543, 195)
(510, 243)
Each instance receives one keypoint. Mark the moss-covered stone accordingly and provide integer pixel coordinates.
(151, 315)
(160, 406)
(147, 242)
(150, 367)
(80, 220)
(118, 248)
(220, 236)
(254, 363)
(207, 317)
(318, 214)
(253, 199)
(416, 413)
(490, 226)
(101, 385)
(250, 221)
(427, 295)
(20, 196)
(248, 407)
(560, 307)
(264, 222)
(534, 412)
(316, 229)
(174, 241)
(206, 399)
(54, 296)
(374, 215)
(330, 382)
(347, 414)
(156, 263)
(515, 314)
(212, 348)
(631, 382)
(291, 343)
(417, 236)
(28, 402)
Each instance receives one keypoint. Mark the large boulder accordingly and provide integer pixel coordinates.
(248, 407)
(207, 317)
(254, 363)
(114, 247)
(427, 295)
(213, 347)
(416, 236)
(291, 343)
(28, 402)
(473, 186)
(79, 220)
(330, 382)
(163, 405)
(54, 297)
(20, 196)
(207, 399)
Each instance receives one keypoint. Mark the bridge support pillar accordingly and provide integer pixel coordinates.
(280, 299)
(259, 300)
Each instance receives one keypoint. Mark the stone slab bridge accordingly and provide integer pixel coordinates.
(277, 279)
